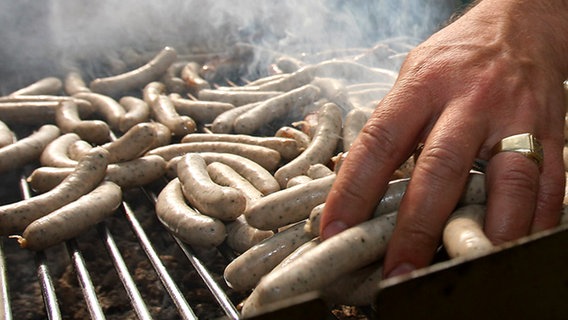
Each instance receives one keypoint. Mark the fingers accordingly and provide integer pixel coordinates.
(387, 140)
(512, 186)
(437, 183)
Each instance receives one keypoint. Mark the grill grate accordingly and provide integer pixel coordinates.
(225, 301)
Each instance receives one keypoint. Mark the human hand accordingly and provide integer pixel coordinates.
(495, 72)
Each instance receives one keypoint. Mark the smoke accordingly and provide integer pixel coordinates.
(42, 37)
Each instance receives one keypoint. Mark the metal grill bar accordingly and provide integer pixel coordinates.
(85, 280)
(181, 303)
(139, 306)
(46, 283)
(5, 309)
(47, 288)
(213, 286)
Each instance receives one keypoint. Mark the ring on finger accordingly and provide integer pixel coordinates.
(524, 143)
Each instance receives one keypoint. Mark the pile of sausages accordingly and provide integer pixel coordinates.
(247, 165)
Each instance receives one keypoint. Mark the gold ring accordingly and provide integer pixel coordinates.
(524, 143)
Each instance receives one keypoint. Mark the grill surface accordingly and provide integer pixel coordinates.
(128, 267)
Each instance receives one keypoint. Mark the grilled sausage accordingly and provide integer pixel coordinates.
(463, 234)
(184, 222)
(163, 110)
(245, 271)
(135, 142)
(275, 108)
(224, 123)
(130, 174)
(203, 112)
(209, 198)
(55, 153)
(236, 98)
(266, 157)
(74, 83)
(289, 205)
(288, 148)
(136, 79)
(49, 85)
(346, 252)
(137, 111)
(321, 148)
(28, 149)
(72, 219)
(68, 120)
(88, 173)
(106, 106)
(6, 135)
(241, 236)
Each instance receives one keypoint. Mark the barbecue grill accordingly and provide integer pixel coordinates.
(129, 266)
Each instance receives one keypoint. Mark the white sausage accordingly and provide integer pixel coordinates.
(289, 205)
(28, 149)
(321, 148)
(209, 198)
(463, 234)
(184, 222)
(72, 219)
(88, 173)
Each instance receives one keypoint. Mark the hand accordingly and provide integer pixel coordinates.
(495, 72)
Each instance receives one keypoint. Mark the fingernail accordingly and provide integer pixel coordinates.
(333, 228)
(402, 268)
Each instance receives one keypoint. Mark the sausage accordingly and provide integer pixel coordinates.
(78, 149)
(321, 148)
(319, 170)
(224, 123)
(289, 205)
(259, 81)
(301, 179)
(72, 219)
(85, 107)
(48, 85)
(224, 175)
(357, 288)
(246, 270)
(137, 78)
(290, 81)
(137, 111)
(171, 78)
(129, 174)
(334, 91)
(353, 72)
(314, 220)
(275, 108)
(266, 157)
(346, 252)
(463, 234)
(301, 138)
(163, 110)
(135, 142)
(241, 236)
(55, 153)
(68, 120)
(354, 122)
(109, 108)
(28, 149)
(6, 135)
(184, 222)
(258, 176)
(203, 112)
(163, 135)
(29, 112)
(191, 77)
(474, 191)
(288, 148)
(88, 173)
(225, 203)
(73, 83)
(236, 98)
